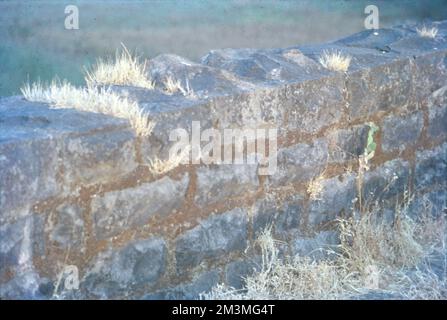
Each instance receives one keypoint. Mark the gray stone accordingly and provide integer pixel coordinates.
(300, 162)
(312, 105)
(213, 238)
(28, 173)
(389, 180)
(431, 167)
(265, 212)
(374, 39)
(187, 291)
(437, 113)
(383, 87)
(400, 132)
(137, 265)
(265, 65)
(18, 239)
(283, 215)
(337, 196)
(317, 248)
(98, 158)
(290, 214)
(20, 242)
(68, 230)
(236, 272)
(348, 144)
(429, 73)
(116, 211)
(203, 81)
(432, 203)
(221, 182)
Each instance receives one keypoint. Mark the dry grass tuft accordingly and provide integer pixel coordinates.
(124, 69)
(393, 249)
(159, 167)
(64, 95)
(427, 32)
(335, 61)
(315, 188)
(173, 86)
(369, 240)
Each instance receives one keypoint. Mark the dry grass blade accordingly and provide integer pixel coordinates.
(427, 32)
(335, 61)
(64, 95)
(124, 69)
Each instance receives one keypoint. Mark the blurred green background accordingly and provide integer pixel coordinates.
(35, 45)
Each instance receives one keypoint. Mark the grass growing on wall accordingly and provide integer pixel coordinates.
(397, 251)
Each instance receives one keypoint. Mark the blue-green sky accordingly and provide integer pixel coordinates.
(34, 43)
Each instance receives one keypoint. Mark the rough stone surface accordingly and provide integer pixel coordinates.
(318, 247)
(283, 216)
(386, 181)
(382, 88)
(68, 179)
(300, 162)
(67, 226)
(218, 183)
(265, 66)
(237, 271)
(28, 173)
(400, 132)
(437, 113)
(432, 203)
(215, 237)
(118, 210)
(431, 167)
(203, 81)
(348, 144)
(138, 264)
(188, 291)
(336, 196)
(98, 158)
(20, 242)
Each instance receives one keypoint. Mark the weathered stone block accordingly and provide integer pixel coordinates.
(431, 167)
(218, 183)
(188, 291)
(137, 265)
(28, 173)
(429, 73)
(437, 113)
(348, 144)
(386, 181)
(201, 80)
(312, 105)
(265, 65)
(215, 237)
(300, 162)
(237, 271)
(98, 158)
(68, 229)
(433, 204)
(117, 210)
(318, 247)
(283, 215)
(383, 87)
(336, 196)
(400, 132)
(20, 241)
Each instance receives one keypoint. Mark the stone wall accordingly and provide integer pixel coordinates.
(76, 188)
